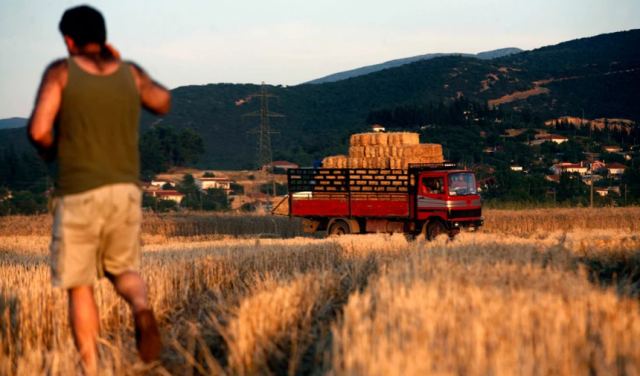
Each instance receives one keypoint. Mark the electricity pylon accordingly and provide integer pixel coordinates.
(265, 155)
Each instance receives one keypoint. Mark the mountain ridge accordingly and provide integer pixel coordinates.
(13, 122)
(361, 71)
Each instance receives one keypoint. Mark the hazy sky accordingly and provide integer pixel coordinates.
(289, 41)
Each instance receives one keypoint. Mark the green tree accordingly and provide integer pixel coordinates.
(162, 147)
(631, 181)
(571, 189)
(192, 195)
(215, 199)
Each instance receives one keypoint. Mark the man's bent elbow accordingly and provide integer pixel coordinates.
(166, 104)
(161, 104)
(37, 136)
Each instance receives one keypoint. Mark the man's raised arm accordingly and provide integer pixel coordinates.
(40, 125)
(154, 97)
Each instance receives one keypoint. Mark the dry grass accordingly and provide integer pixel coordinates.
(537, 292)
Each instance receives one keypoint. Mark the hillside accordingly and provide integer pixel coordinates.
(599, 75)
(399, 62)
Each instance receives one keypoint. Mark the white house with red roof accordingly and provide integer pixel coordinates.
(615, 168)
(166, 194)
(214, 182)
(568, 167)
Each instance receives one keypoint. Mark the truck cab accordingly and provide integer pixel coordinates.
(446, 200)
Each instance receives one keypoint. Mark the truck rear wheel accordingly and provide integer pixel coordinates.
(435, 228)
(338, 228)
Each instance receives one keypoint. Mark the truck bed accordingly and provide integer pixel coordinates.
(348, 193)
(350, 205)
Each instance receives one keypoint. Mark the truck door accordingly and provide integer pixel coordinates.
(431, 193)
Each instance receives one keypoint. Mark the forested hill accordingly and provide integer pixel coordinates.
(598, 75)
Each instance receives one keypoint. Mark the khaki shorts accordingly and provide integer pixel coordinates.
(95, 232)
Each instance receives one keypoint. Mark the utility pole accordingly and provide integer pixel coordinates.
(591, 184)
(625, 194)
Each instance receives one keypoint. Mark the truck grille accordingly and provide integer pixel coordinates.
(471, 213)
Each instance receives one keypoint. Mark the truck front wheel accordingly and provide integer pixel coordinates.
(435, 228)
(338, 228)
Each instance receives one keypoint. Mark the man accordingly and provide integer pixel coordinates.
(86, 118)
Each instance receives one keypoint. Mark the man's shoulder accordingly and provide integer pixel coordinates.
(135, 67)
(58, 65)
(57, 70)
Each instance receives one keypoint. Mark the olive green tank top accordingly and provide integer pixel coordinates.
(97, 130)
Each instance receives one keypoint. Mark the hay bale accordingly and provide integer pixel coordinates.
(383, 162)
(335, 161)
(355, 140)
(380, 138)
(356, 151)
(403, 138)
(328, 162)
(422, 150)
(369, 151)
(409, 138)
(365, 139)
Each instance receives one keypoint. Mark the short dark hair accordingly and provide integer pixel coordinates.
(84, 25)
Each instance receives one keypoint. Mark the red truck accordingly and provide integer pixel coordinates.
(425, 199)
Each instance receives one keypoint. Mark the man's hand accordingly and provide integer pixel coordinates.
(40, 125)
(154, 97)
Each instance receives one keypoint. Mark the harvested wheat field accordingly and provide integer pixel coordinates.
(541, 292)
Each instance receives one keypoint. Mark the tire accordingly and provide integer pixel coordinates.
(435, 228)
(338, 228)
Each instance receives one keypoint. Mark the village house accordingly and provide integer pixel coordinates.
(280, 166)
(612, 149)
(214, 182)
(166, 194)
(567, 167)
(159, 183)
(555, 138)
(596, 166)
(615, 169)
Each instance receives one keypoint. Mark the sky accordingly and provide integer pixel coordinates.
(288, 42)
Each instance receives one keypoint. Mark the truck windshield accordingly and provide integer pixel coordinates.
(462, 183)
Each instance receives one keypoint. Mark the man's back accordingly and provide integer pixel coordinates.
(98, 120)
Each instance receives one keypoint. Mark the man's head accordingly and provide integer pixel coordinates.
(82, 26)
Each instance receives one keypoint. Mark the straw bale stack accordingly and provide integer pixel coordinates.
(385, 150)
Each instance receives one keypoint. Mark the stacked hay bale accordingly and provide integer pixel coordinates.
(385, 150)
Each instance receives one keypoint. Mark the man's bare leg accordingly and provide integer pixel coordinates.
(83, 316)
(131, 287)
